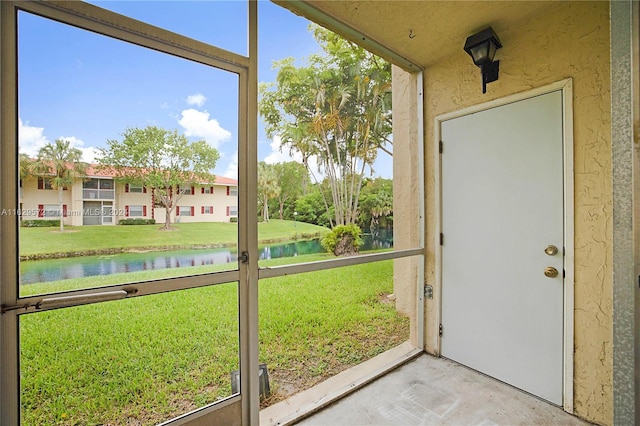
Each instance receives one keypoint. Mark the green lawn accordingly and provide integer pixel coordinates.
(79, 239)
(143, 360)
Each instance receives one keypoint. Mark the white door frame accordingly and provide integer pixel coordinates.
(566, 87)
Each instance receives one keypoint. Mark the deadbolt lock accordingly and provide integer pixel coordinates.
(550, 272)
(551, 250)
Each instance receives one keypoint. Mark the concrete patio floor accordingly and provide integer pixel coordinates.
(437, 391)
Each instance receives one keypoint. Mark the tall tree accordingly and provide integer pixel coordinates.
(161, 160)
(268, 187)
(62, 165)
(292, 178)
(25, 165)
(311, 207)
(376, 203)
(338, 110)
(25, 168)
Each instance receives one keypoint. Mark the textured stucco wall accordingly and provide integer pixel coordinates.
(32, 197)
(406, 212)
(571, 39)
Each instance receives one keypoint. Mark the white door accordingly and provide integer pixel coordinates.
(502, 206)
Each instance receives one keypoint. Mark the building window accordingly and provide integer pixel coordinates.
(232, 191)
(106, 184)
(96, 189)
(95, 183)
(139, 189)
(136, 211)
(45, 183)
(206, 190)
(189, 190)
(91, 184)
(51, 210)
(232, 211)
(206, 210)
(184, 211)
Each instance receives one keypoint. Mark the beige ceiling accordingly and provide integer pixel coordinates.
(422, 31)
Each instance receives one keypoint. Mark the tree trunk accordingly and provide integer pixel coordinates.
(167, 219)
(265, 210)
(61, 209)
(168, 202)
(345, 247)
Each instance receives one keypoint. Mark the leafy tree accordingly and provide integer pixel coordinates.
(338, 110)
(268, 187)
(311, 207)
(292, 178)
(62, 163)
(161, 160)
(376, 203)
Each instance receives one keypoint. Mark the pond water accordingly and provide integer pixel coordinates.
(38, 271)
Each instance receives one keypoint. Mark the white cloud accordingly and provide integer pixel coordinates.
(198, 99)
(89, 153)
(198, 124)
(280, 156)
(30, 138)
(232, 168)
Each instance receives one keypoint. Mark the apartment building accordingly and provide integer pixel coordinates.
(99, 199)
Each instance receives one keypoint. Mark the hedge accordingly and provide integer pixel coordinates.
(137, 222)
(39, 223)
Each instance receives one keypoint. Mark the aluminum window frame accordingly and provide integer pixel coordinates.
(97, 20)
(247, 275)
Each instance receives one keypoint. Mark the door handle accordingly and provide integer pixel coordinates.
(550, 272)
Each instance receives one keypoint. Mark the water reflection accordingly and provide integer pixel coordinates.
(38, 271)
(88, 266)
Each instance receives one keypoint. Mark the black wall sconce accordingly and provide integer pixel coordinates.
(482, 48)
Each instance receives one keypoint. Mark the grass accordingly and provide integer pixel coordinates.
(88, 239)
(143, 360)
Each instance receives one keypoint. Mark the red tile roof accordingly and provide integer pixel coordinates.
(94, 170)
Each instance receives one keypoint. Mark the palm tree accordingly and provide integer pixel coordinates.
(268, 187)
(63, 164)
(25, 165)
(25, 169)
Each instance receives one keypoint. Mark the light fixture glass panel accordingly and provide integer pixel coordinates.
(492, 50)
(480, 53)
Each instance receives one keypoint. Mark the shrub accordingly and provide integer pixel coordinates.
(233, 220)
(39, 223)
(137, 222)
(343, 239)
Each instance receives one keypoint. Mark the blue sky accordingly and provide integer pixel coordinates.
(88, 88)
